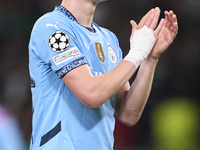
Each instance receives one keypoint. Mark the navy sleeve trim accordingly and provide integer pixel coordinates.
(49, 135)
(72, 65)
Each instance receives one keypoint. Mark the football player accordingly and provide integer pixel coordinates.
(79, 78)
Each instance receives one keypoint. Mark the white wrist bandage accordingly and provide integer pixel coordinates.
(141, 44)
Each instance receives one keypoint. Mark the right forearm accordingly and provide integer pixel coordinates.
(114, 80)
(94, 91)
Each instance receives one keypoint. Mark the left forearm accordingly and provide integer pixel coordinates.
(131, 101)
(133, 104)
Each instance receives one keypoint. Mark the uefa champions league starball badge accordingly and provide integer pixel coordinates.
(58, 41)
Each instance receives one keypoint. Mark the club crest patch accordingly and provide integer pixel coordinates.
(58, 41)
(112, 55)
(99, 51)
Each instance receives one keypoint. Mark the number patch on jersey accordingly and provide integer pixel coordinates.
(58, 41)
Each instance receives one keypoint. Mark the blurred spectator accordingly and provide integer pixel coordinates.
(11, 137)
(175, 125)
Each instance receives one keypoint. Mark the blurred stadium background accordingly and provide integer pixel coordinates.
(170, 120)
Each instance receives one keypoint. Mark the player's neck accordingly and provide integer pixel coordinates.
(82, 10)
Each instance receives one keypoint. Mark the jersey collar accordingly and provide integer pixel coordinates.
(71, 17)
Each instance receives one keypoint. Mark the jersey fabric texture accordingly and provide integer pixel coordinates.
(59, 44)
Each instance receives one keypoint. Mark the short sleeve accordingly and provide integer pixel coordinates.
(56, 44)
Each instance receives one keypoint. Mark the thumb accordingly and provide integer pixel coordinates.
(134, 26)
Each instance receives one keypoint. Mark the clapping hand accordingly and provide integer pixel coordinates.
(166, 35)
(164, 32)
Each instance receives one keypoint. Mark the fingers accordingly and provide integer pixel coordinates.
(150, 19)
(152, 22)
(134, 26)
(144, 19)
(172, 23)
(159, 28)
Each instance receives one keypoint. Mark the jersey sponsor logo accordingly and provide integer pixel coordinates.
(52, 25)
(58, 41)
(99, 51)
(112, 54)
(67, 55)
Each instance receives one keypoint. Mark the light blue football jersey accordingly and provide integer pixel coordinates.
(59, 44)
